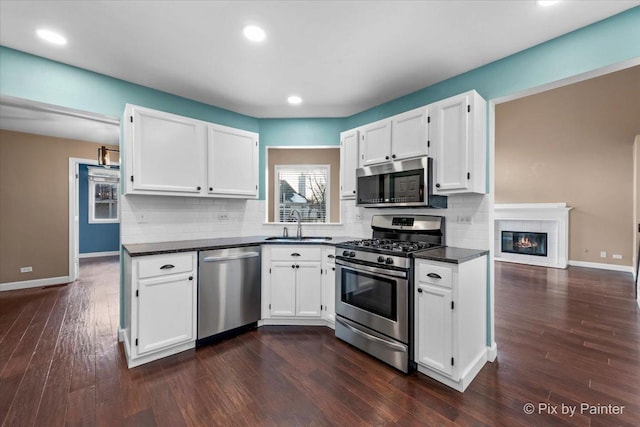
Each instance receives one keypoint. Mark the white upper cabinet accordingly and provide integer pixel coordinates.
(402, 136)
(409, 134)
(349, 143)
(232, 160)
(376, 142)
(170, 155)
(458, 144)
(166, 153)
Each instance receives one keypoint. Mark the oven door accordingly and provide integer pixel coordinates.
(374, 297)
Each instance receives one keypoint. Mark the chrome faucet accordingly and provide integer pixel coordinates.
(299, 232)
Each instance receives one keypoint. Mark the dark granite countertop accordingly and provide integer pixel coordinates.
(450, 254)
(141, 249)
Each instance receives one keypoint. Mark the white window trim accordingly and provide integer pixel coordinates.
(276, 193)
(113, 177)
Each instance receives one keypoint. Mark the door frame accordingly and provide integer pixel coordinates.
(74, 213)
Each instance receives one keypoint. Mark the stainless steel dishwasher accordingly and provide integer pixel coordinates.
(228, 291)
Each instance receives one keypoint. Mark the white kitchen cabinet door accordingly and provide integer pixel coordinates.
(349, 143)
(329, 285)
(166, 312)
(308, 289)
(433, 328)
(283, 289)
(458, 141)
(409, 134)
(450, 141)
(167, 153)
(376, 142)
(232, 160)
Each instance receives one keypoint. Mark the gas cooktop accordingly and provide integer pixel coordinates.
(399, 247)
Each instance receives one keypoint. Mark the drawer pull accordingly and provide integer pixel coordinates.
(331, 256)
(295, 254)
(434, 276)
(167, 267)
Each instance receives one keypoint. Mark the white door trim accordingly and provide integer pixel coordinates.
(74, 207)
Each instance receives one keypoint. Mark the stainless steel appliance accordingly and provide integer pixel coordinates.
(228, 291)
(402, 183)
(374, 285)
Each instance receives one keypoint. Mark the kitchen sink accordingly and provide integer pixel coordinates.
(296, 239)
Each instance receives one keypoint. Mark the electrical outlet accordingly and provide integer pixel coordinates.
(26, 269)
(603, 254)
(616, 256)
(464, 219)
(223, 217)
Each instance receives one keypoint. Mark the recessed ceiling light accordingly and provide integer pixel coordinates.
(254, 33)
(294, 100)
(51, 37)
(545, 3)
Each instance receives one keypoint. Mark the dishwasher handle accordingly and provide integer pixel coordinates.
(231, 257)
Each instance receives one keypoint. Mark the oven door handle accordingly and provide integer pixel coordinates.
(391, 345)
(381, 271)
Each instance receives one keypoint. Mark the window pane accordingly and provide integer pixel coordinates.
(106, 201)
(303, 190)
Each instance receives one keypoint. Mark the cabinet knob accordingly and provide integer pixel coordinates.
(438, 185)
(199, 188)
(210, 188)
(420, 290)
(297, 266)
(386, 157)
(333, 268)
(393, 156)
(354, 191)
(190, 277)
(293, 266)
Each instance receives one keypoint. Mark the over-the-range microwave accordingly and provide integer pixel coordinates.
(406, 183)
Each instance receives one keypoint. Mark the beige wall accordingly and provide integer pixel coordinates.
(574, 144)
(300, 156)
(34, 203)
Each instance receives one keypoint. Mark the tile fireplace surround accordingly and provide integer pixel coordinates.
(550, 218)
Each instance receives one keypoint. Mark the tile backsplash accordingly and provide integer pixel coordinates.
(147, 219)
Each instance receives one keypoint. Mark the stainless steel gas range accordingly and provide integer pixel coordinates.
(374, 285)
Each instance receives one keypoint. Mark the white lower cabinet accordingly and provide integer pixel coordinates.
(450, 320)
(161, 301)
(291, 283)
(329, 285)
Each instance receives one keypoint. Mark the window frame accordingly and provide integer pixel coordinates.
(276, 196)
(91, 219)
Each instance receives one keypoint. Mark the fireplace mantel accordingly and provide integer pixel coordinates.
(551, 218)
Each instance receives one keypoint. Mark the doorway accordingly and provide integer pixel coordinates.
(41, 144)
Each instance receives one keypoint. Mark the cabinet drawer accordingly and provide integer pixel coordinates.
(435, 275)
(305, 253)
(161, 265)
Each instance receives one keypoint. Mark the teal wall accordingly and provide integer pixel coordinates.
(38, 79)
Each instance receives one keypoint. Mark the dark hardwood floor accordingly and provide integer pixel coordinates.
(567, 337)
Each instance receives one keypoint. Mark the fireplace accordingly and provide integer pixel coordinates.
(524, 242)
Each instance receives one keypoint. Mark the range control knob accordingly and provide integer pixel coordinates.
(345, 253)
(380, 258)
(389, 260)
(352, 254)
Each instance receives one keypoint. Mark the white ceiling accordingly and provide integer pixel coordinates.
(341, 57)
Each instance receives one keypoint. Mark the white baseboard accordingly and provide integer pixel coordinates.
(602, 266)
(121, 335)
(36, 283)
(98, 254)
(492, 352)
